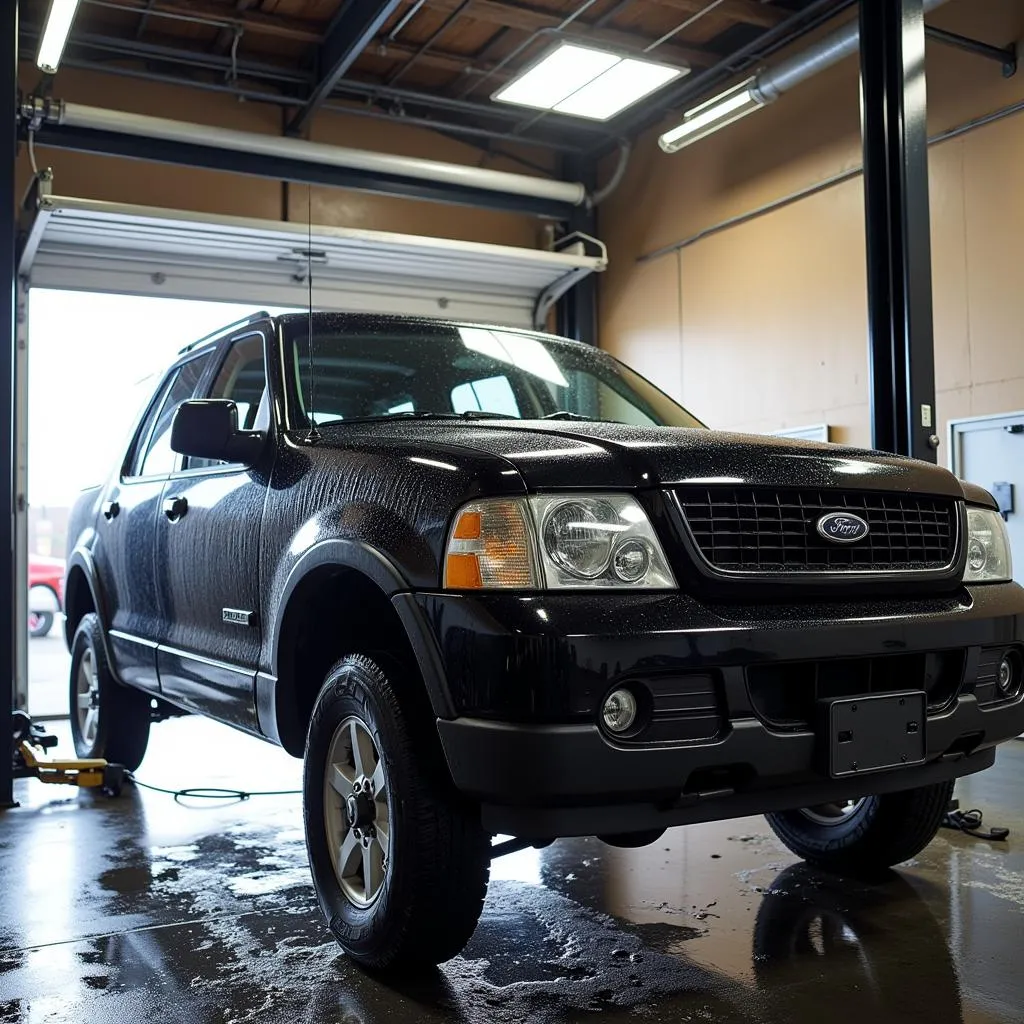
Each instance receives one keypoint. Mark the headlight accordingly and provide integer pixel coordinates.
(988, 548)
(555, 542)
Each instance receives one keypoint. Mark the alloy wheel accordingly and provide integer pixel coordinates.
(833, 813)
(87, 689)
(357, 812)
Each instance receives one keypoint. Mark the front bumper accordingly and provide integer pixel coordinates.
(526, 676)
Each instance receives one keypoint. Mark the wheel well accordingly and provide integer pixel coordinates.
(334, 611)
(78, 601)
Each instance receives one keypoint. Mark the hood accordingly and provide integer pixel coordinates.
(583, 454)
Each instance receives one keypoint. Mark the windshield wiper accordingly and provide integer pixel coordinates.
(469, 414)
(564, 414)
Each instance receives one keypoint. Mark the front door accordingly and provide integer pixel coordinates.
(207, 559)
(126, 532)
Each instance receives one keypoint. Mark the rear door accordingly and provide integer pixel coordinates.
(126, 530)
(207, 561)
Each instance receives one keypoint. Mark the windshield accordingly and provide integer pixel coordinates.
(378, 367)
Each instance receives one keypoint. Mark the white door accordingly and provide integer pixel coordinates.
(990, 451)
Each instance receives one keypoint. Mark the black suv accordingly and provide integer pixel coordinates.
(491, 582)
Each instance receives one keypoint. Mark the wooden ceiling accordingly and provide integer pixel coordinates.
(422, 60)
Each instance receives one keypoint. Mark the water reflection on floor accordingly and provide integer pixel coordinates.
(140, 909)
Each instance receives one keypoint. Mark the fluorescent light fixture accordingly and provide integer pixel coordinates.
(716, 113)
(584, 82)
(55, 34)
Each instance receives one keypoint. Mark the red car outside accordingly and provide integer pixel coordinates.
(45, 593)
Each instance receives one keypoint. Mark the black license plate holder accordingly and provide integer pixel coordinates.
(875, 733)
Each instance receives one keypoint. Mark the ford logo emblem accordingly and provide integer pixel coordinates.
(843, 528)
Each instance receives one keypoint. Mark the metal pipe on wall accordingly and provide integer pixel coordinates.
(76, 115)
(771, 84)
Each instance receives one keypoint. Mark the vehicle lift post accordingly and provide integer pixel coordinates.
(8, 347)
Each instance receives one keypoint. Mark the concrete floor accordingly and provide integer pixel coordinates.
(141, 909)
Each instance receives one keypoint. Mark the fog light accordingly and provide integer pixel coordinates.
(1010, 674)
(619, 711)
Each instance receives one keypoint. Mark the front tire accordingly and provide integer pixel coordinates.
(107, 719)
(866, 835)
(399, 861)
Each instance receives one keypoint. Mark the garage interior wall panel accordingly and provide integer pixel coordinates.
(747, 359)
(771, 314)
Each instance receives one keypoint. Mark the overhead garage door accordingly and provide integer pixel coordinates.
(114, 247)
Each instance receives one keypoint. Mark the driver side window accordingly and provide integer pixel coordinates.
(242, 378)
(153, 455)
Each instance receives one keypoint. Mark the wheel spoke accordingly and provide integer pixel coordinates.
(89, 728)
(85, 700)
(379, 782)
(340, 782)
(349, 846)
(373, 869)
(355, 733)
(383, 829)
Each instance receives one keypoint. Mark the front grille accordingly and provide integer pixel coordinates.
(785, 695)
(768, 530)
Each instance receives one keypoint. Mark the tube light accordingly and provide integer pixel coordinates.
(586, 82)
(55, 34)
(716, 113)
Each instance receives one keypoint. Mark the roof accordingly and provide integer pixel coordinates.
(430, 62)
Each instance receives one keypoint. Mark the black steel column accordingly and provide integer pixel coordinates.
(8, 342)
(895, 138)
(576, 311)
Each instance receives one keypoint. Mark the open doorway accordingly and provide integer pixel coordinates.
(92, 362)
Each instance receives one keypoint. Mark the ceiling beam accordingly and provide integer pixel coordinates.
(291, 29)
(440, 59)
(349, 33)
(763, 15)
(530, 19)
(296, 30)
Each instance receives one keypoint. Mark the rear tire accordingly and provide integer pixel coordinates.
(107, 719)
(399, 860)
(875, 833)
(39, 623)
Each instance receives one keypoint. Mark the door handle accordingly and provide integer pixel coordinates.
(110, 510)
(175, 508)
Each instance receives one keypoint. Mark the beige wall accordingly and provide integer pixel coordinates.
(131, 181)
(763, 326)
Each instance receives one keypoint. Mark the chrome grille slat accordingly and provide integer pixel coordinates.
(773, 530)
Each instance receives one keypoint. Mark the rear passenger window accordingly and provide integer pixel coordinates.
(154, 456)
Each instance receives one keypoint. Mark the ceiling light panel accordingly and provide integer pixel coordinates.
(557, 76)
(620, 86)
(584, 82)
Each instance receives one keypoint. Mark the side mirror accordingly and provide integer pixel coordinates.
(208, 429)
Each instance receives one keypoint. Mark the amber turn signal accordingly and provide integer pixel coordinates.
(491, 547)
